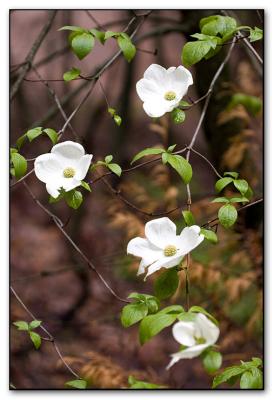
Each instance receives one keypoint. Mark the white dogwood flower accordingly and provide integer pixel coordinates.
(64, 167)
(195, 336)
(162, 248)
(162, 89)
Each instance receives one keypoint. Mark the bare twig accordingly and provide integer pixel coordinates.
(28, 61)
(50, 337)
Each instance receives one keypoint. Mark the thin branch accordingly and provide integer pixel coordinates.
(28, 61)
(50, 337)
(209, 163)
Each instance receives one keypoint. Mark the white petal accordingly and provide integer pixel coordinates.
(189, 239)
(156, 108)
(52, 189)
(47, 167)
(141, 247)
(209, 331)
(83, 166)
(161, 232)
(164, 262)
(157, 74)
(70, 183)
(180, 80)
(147, 89)
(184, 333)
(68, 152)
(188, 353)
(142, 268)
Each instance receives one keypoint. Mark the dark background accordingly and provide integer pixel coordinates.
(51, 278)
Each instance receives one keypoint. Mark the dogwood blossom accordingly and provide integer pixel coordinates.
(162, 248)
(195, 335)
(64, 167)
(162, 89)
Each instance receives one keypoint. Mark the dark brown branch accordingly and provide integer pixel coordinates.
(50, 337)
(28, 61)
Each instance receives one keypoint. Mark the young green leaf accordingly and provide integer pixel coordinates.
(220, 200)
(222, 183)
(34, 133)
(174, 309)
(171, 148)
(166, 284)
(21, 325)
(212, 361)
(241, 199)
(36, 339)
(110, 34)
(209, 235)
(86, 186)
(181, 165)
(227, 215)
(82, 44)
(108, 159)
(255, 34)
(73, 73)
(217, 24)
(233, 174)
(198, 309)
(193, 52)
(77, 384)
(20, 141)
(226, 375)
(133, 313)
(34, 324)
(188, 217)
(73, 198)
(52, 134)
(98, 34)
(241, 185)
(147, 152)
(115, 168)
(127, 47)
(117, 119)
(20, 165)
(151, 325)
(178, 116)
(252, 379)
(135, 384)
(71, 28)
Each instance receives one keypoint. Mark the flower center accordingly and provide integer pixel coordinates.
(199, 340)
(170, 95)
(69, 172)
(170, 250)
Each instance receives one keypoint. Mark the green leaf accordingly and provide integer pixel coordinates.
(82, 44)
(133, 313)
(34, 133)
(151, 325)
(212, 361)
(252, 104)
(77, 384)
(127, 47)
(241, 199)
(249, 193)
(256, 362)
(135, 384)
(193, 52)
(164, 157)
(209, 235)
(217, 24)
(117, 119)
(110, 34)
(188, 217)
(20, 165)
(115, 168)
(71, 28)
(147, 152)
(112, 111)
(187, 316)
(20, 141)
(86, 186)
(220, 200)
(227, 215)
(36, 339)
(241, 185)
(181, 165)
(178, 116)
(184, 103)
(226, 375)
(222, 183)
(198, 309)
(213, 40)
(171, 148)
(108, 159)
(174, 309)
(255, 34)
(52, 134)
(166, 284)
(252, 379)
(73, 73)
(34, 324)
(21, 325)
(98, 34)
(73, 198)
(233, 174)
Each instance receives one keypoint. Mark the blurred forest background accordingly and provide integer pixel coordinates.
(49, 275)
